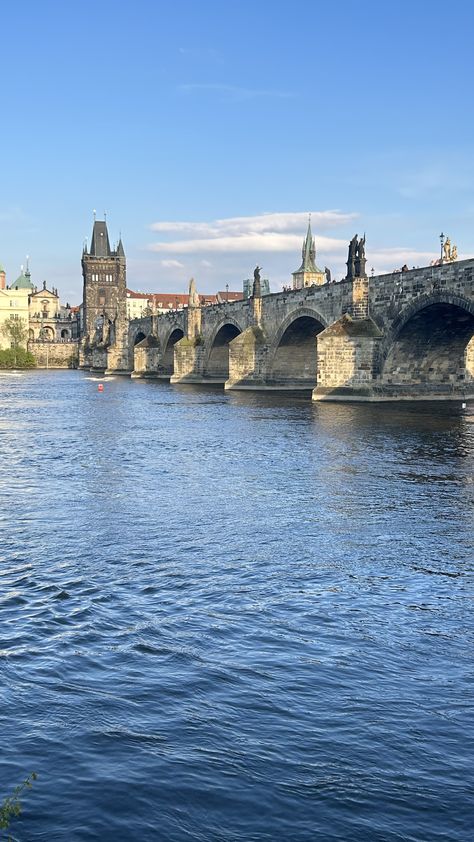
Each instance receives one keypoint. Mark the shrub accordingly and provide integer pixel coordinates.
(16, 358)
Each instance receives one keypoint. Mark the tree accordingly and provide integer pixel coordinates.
(16, 331)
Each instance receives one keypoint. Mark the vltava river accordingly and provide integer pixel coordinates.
(234, 616)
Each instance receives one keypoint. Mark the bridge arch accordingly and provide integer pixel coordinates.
(431, 343)
(174, 335)
(139, 337)
(217, 362)
(293, 357)
(136, 334)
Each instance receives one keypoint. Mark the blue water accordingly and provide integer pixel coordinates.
(234, 616)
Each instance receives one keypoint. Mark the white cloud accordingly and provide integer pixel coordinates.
(264, 222)
(266, 242)
(263, 233)
(225, 248)
(172, 264)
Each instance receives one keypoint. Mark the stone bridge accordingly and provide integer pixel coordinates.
(405, 335)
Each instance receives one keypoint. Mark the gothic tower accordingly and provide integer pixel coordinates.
(104, 294)
(308, 273)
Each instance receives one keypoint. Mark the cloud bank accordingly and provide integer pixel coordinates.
(227, 247)
(269, 232)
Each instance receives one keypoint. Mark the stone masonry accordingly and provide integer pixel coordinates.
(401, 335)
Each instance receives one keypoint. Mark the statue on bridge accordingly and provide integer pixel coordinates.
(356, 258)
(257, 286)
(450, 252)
(193, 297)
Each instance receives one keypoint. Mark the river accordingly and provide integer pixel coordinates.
(234, 616)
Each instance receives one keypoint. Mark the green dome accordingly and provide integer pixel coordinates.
(23, 282)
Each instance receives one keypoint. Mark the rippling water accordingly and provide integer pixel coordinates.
(234, 616)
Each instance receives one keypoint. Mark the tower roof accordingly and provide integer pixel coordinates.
(100, 246)
(120, 250)
(23, 281)
(308, 253)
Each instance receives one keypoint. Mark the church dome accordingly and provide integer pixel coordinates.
(23, 282)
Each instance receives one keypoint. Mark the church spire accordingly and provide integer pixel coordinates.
(308, 273)
(308, 251)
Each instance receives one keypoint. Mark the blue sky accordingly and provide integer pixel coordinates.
(208, 131)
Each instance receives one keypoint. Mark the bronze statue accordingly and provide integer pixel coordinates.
(256, 273)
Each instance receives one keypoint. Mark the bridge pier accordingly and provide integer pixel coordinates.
(348, 360)
(188, 361)
(247, 360)
(147, 358)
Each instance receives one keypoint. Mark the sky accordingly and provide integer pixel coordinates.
(208, 132)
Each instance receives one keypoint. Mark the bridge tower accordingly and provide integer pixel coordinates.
(105, 325)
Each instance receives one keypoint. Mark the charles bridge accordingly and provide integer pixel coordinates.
(404, 335)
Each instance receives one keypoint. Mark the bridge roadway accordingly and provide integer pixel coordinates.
(404, 335)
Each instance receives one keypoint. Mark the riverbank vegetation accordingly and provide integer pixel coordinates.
(16, 356)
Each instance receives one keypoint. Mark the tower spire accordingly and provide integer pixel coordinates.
(308, 273)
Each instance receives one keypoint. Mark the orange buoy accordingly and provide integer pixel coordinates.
(100, 387)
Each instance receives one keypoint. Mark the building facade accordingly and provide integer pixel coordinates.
(13, 305)
(40, 311)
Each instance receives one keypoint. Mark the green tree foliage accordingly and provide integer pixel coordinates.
(16, 358)
(15, 330)
(11, 806)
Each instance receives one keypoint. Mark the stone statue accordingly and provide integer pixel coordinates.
(356, 259)
(447, 249)
(351, 257)
(361, 247)
(454, 253)
(193, 297)
(257, 286)
(353, 248)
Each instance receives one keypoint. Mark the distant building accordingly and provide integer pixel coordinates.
(48, 319)
(309, 273)
(13, 303)
(45, 319)
(145, 303)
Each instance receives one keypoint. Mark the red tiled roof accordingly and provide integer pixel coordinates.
(227, 295)
(173, 299)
